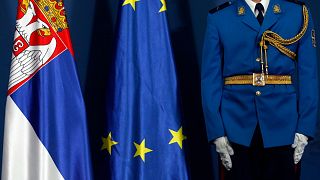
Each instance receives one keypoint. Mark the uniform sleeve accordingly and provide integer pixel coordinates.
(211, 81)
(307, 83)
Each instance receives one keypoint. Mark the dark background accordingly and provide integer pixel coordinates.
(93, 25)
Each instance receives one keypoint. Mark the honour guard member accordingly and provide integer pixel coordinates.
(260, 86)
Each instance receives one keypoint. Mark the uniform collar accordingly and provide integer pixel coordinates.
(271, 17)
(252, 6)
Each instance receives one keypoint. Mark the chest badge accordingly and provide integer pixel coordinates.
(277, 9)
(313, 36)
(241, 11)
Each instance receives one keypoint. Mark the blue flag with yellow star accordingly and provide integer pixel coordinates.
(144, 138)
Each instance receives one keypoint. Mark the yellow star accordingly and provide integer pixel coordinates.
(177, 137)
(164, 6)
(108, 143)
(131, 2)
(141, 150)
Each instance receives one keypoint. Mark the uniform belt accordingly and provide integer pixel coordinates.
(258, 79)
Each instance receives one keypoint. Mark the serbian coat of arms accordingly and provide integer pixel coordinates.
(41, 35)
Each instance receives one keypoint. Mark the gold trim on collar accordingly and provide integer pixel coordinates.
(241, 11)
(276, 9)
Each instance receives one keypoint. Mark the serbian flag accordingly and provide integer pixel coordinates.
(45, 124)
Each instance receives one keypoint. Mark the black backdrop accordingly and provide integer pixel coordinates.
(93, 25)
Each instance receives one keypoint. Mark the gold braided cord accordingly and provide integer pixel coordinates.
(278, 42)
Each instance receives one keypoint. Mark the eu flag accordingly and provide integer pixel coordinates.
(144, 137)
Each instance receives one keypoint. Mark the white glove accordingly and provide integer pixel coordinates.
(225, 150)
(300, 142)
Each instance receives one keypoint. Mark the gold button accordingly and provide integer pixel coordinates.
(258, 59)
(258, 93)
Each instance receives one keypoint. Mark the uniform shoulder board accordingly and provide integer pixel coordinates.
(297, 2)
(222, 6)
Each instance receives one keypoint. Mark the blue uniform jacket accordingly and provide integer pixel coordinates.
(231, 48)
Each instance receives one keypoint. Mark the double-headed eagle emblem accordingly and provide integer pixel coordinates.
(29, 57)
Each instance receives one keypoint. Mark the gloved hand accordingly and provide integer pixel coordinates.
(225, 150)
(300, 142)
